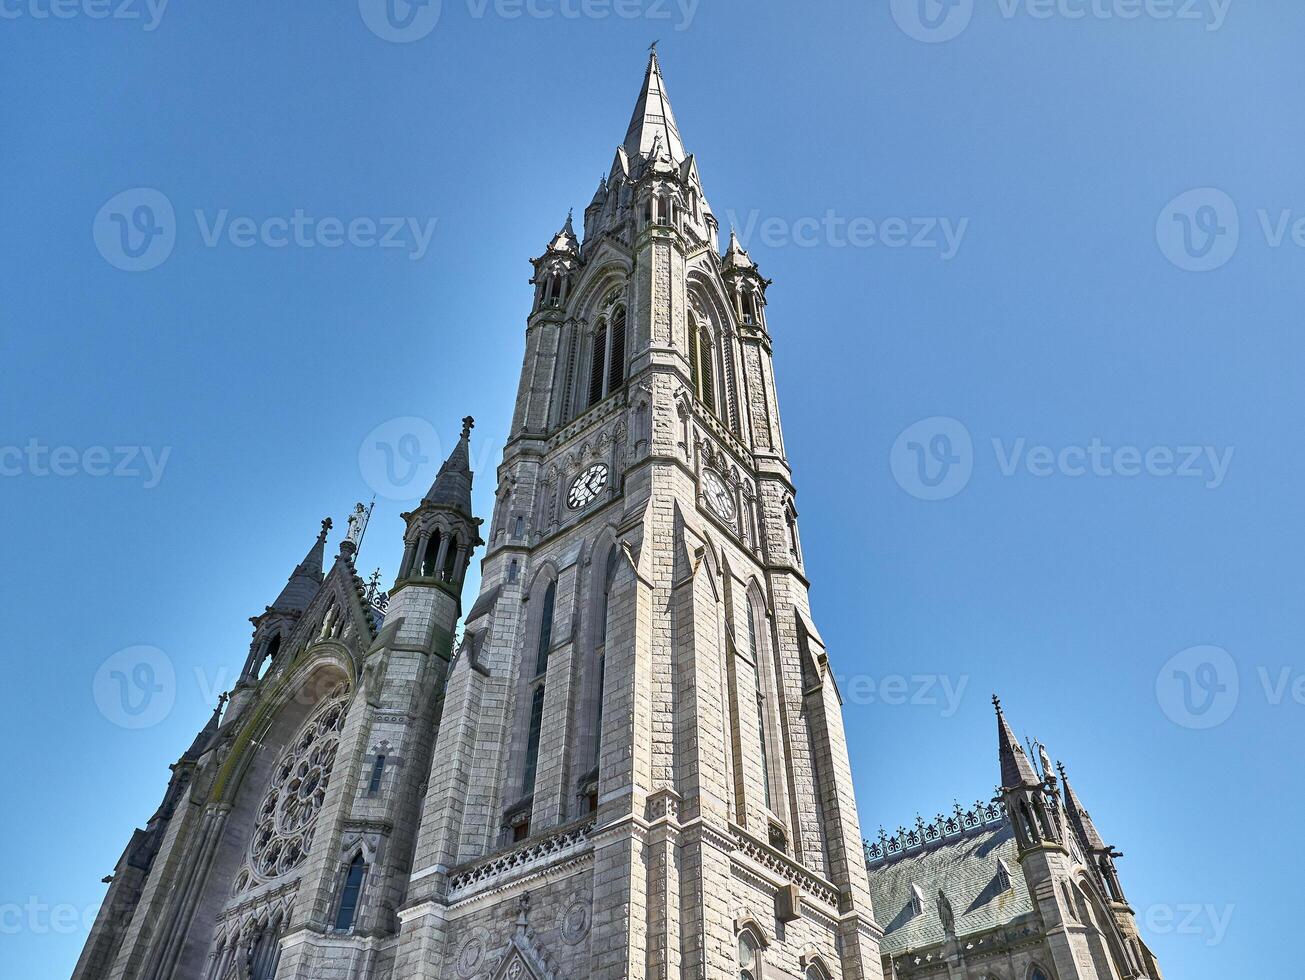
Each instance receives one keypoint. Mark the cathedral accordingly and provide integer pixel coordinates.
(630, 762)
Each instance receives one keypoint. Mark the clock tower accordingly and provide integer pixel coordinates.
(640, 769)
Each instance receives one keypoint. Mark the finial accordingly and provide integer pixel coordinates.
(468, 423)
(1060, 768)
(327, 524)
(653, 47)
(996, 703)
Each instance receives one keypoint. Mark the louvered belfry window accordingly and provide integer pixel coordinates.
(597, 364)
(616, 362)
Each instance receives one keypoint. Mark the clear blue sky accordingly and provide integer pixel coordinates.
(1069, 313)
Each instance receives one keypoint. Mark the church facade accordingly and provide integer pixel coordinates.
(633, 763)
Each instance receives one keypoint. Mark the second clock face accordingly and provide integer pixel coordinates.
(587, 486)
(718, 496)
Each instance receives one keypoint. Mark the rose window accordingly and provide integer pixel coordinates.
(287, 816)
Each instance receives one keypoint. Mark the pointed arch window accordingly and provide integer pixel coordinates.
(598, 363)
(545, 629)
(532, 741)
(430, 561)
(1037, 974)
(754, 651)
(353, 882)
(450, 569)
(265, 953)
(616, 358)
(269, 654)
(749, 958)
(702, 361)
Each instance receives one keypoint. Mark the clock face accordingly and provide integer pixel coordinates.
(718, 496)
(587, 486)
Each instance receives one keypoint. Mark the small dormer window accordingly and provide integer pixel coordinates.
(917, 901)
(1003, 876)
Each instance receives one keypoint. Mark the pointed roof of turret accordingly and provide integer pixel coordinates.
(452, 486)
(206, 734)
(307, 577)
(653, 116)
(1016, 769)
(564, 240)
(1080, 818)
(736, 256)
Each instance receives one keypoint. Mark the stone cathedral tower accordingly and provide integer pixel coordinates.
(633, 765)
(641, 768)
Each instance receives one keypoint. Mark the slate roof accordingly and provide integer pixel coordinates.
(965, 869)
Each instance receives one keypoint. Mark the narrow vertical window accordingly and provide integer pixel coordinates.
(545, 629)
(598, 364)
(432, 555)
(378, 770)
(512, 572)
(616, 362)
(532, 741)
(693, 355)
(755, 651)
(451, 560)
(519, 527)
(349, 895)
(707, 353)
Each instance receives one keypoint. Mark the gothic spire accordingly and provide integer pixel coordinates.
(1015, 767)
(653, 117)
(736, 257)
(307, 577)
(452, 486)
(565, 240)
(1079, 817)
